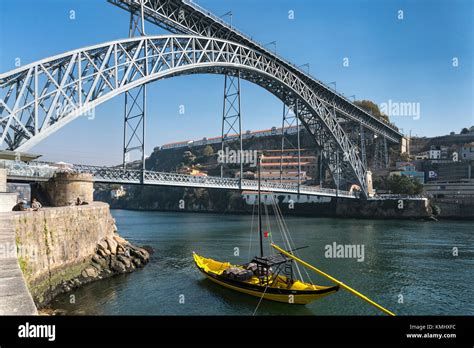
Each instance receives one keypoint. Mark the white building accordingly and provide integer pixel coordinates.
(117, 193)
(467, 152)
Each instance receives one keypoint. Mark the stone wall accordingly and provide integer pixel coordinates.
(65, 247)
(384, 209)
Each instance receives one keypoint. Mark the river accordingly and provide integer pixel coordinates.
(408, 267)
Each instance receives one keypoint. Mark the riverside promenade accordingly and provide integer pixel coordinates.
(15, 298)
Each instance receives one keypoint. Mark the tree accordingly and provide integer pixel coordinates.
(188, 158)
(372, 108)
(401, 184)
(208, 151)
(465, 131)
(404, 156)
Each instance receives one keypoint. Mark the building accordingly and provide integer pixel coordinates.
(274, 162)
(191, 171)
(117, 193)
(451, 189)
(467, 152)
(434, 153)
(246, 135)
(409, 169)
(449, 171)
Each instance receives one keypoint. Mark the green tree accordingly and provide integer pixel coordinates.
(372, 108)
(208, 151)
(465, 131)
(404, 156)
(401, 184)
(188, 158)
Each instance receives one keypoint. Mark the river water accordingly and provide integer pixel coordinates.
(408, 267)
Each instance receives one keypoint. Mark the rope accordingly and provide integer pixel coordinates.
(287, 236)
(261, 298)
(295, 253)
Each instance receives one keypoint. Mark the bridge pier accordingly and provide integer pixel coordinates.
(232, 119)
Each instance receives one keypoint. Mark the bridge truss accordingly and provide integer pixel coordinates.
(40, 98)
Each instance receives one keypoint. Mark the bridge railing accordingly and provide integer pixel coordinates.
(39, 170)
(46, 170)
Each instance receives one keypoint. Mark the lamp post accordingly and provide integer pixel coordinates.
(274, 43)
(229, 13)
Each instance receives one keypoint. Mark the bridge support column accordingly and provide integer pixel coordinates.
(232, 122)
(363, 146)
(290, 119)
(135, 103)
(381, 159)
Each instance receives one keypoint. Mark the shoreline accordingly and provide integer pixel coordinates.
(58, 249)
(307, 215)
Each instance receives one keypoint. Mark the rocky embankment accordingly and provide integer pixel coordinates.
(114, 255)
(62, 248)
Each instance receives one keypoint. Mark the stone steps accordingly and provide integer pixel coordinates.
(15, 298)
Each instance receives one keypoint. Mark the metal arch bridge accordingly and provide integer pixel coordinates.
(43, 171)
(40, 98)
(186, 17)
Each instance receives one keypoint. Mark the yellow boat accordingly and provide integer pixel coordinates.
(265, 281)
(271, 277)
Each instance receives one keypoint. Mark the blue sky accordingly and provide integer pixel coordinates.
(407, 60)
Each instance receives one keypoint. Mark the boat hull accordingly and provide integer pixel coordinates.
(278, 294)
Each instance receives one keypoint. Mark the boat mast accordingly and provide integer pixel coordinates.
(259, 207)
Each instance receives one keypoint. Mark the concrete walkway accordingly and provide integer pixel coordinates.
(15, 299)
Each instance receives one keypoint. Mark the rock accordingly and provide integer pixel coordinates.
(120, 240)
(111, 245)
(102, 245)
(126, 261)
(148, 249)
(90, 272)
(103, 248)
(120, 249)
(117, 266)
(139, 253)
(137, 262)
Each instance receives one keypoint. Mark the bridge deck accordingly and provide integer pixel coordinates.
(42, 171)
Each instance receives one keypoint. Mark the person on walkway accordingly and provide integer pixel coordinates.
(80, 202)
(20, 206)
(35, 205)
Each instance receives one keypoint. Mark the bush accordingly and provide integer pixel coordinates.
(401, 184)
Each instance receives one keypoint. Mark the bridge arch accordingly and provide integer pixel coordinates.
(40, 98)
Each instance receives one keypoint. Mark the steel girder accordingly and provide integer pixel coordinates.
(290, 119)
(232, 119)
(186, 17)
(135, 103)
(39, 98)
